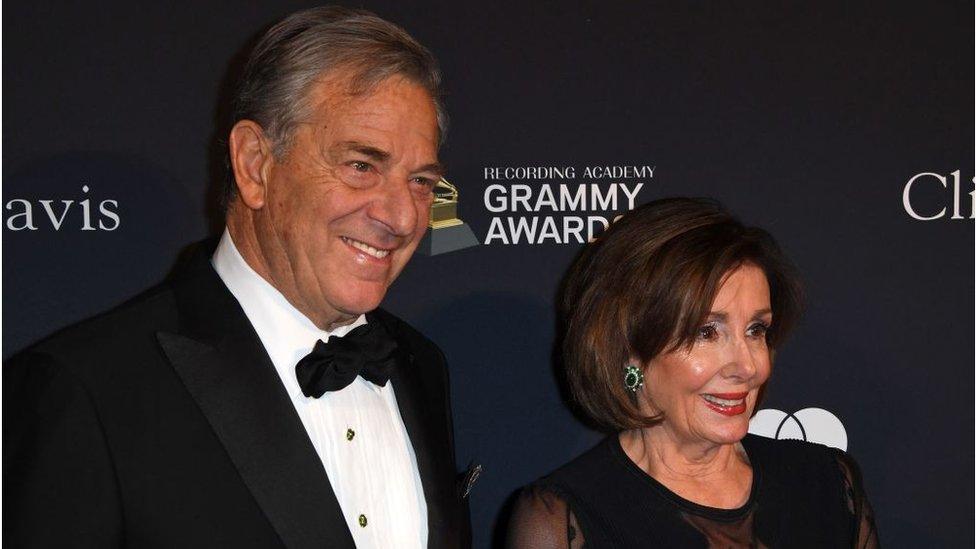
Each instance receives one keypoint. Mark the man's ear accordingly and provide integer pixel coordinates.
(251, 160)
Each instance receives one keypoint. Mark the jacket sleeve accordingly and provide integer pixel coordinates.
(59, 483)
(465, 513)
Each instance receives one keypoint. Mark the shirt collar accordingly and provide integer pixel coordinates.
(286, 333)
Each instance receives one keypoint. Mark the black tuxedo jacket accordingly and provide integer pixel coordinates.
(164, 424)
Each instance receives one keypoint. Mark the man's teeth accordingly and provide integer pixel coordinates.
(723, 401)
(378, 254)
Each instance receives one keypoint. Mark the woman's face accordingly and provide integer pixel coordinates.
(707, 392)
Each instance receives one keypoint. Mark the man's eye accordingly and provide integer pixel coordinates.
(360, 166)
(424, 182)
(707, 332)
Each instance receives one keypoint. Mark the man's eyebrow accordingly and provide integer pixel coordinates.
(434, 167)
(369, 151)
(380, 156)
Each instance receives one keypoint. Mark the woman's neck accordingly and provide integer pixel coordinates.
(714, 475)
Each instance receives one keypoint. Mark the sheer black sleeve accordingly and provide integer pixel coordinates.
(543, 520)
(866, 535)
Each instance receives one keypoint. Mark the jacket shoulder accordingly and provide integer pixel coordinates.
(107, 338)
(417, 342)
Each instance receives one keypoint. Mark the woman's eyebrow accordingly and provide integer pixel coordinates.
(723, 316)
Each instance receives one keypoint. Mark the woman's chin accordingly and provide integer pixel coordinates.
(727, 433)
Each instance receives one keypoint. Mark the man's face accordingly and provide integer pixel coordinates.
(349, 202)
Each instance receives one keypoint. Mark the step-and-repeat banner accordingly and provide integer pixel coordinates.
(845, 130)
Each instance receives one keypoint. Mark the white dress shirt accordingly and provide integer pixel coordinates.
(357, 431)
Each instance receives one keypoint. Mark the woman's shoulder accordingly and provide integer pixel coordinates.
(798, 464)
(545, 511)
(589, 470)
(543, 518)
(788, 451)
(824, 481)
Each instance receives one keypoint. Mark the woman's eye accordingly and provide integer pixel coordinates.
(707, 332)
(758, 330)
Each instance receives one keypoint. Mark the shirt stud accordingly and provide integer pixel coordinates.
(362, 521)
(350, 434)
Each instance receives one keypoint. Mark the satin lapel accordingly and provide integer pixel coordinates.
(416, 402)
(412, 404)
(227, 371)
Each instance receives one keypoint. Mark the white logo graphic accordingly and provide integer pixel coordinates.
(25, 215)
(958, 207)
(810, 424)
(559, 204)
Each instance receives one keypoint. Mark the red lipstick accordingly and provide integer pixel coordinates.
(727, 404)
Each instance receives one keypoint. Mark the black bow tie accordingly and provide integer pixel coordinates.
(367, 350)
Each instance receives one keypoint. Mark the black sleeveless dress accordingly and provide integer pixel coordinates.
(803, 495)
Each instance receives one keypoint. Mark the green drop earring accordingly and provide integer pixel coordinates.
(633, 378)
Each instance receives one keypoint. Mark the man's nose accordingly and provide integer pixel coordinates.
(395, 206)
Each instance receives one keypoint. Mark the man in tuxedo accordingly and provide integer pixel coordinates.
(260, 398)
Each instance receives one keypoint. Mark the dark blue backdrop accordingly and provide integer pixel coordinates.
(808, 120)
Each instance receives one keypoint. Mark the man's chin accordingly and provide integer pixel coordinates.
(364, 298)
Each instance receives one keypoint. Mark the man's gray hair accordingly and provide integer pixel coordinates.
(299, 50)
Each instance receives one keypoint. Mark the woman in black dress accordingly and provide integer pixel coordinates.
(672, 318)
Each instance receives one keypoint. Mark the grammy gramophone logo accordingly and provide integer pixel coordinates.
(447, 232)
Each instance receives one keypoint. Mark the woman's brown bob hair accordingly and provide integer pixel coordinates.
(646, 286)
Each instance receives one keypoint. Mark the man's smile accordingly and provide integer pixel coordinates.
(372, 251)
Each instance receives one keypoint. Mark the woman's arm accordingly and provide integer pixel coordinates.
(857, 502)
(543, 520)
